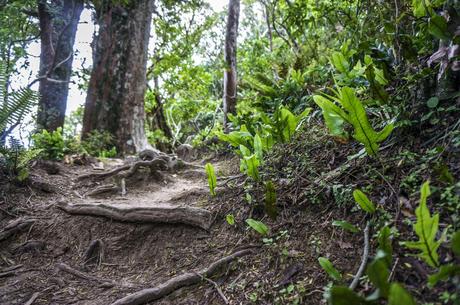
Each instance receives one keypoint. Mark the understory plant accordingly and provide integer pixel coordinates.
(378, 270)
(345, 107)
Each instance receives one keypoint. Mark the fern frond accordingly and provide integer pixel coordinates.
(16, 104)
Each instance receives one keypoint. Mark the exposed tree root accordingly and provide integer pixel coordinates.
(106, 283)
(95, 253)
(127, 170)
(32, 298)
(106, 188)
(15, 226)
(156, 214)
(187, 279)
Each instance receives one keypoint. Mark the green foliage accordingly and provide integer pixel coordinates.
(258, 226)
(286, 123)
(445, 272)
(364, 202)
(341, 295)
(426, 229)
(15, 104)
(270, 200)
(345, 225)
(455, 243)
(212, 180)
(51, 144)
(15, 160)
(398, 295)
(385, 243)
(330, 269)
(230, 219)
(100, 144)
(354, 113)
(378, 274)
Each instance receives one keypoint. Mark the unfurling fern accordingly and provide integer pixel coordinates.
(14, 105)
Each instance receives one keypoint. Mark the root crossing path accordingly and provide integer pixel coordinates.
(178, 200)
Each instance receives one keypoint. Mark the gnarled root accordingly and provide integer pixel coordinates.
(154, 214)
(16, 226)
(187, 279)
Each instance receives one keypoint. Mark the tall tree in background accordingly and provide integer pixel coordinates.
(230, 73)
(115, 101)
(58, 26)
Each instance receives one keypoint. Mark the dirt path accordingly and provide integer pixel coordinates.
(138, 255)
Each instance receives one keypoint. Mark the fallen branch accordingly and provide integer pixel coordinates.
(364, 258)
(157, 214)
(15, 226)
(187, 279)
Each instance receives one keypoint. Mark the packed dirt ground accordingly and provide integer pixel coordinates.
(44, 263)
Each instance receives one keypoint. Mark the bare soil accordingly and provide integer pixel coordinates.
(141, 255)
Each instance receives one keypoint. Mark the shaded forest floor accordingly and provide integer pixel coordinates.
(314, 176)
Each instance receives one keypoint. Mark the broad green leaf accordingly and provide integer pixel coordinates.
(363, 201)
(236, 138)
(230, 219)
(437, 26)
(399, 296)
(455, 243)
(258, 148)
(212, 180)
(380, 77)
(345, 225)
(286, 124)
(378, 273)
(421, 8)
(333, 116)
(426, 229)
(330, 269)
(302, 116)
(432, 102)
(252, 164)
(445, 272)
(258, 226)
(384, 240)
(270, 200)
(340, 295)
(245, 152)
(340, 62)
(363, 131)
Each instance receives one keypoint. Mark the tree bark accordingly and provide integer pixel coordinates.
(115, 100)
(58, 25)
(230, 72)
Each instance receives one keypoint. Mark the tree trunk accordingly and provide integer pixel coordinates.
(115, 101)
(157, 119)
(58, 26)
(230, 74)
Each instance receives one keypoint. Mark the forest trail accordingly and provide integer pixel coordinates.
(79, 259)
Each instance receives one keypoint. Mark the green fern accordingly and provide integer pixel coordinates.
(426, 229)
(354, 113)
(15, 104)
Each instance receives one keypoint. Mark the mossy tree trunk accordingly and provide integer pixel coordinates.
(115, 100)
(58, 26)
(230, 72)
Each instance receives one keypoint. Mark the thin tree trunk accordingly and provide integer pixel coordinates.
(58, 26)
(230, 73)
(115, 101)
(157, 120)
